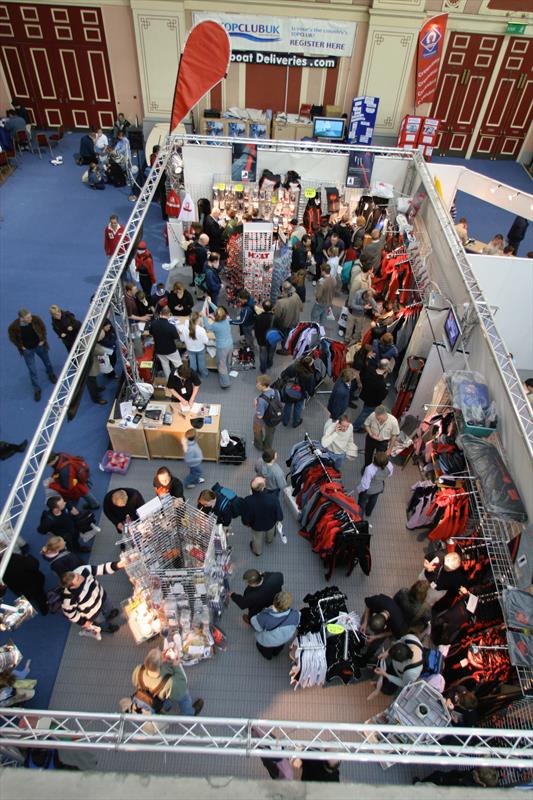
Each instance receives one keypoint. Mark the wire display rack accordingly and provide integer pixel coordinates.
(517, 716)
(178, 560)
(497, 533)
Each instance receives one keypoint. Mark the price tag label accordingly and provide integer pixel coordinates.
(309, 193)
(220, 186)
(274, 199)
(238, 187)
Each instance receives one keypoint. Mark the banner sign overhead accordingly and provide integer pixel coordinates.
(363, 119)
(430, 49)
(319, 37)
(203, 64)
(282, 59)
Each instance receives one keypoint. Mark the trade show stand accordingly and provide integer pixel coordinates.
(150, 438)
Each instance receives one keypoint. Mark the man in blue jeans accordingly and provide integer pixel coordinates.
(28, 334)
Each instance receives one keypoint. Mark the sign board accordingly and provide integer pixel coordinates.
(430, 49)
(359, 170)
(515, 27)
(312, 37)
(363, 120)
(282, 59)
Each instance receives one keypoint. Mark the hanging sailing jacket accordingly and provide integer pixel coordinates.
(312, 215)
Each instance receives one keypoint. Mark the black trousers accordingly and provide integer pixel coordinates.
(268, 652)
(371, 445)
(93, 388)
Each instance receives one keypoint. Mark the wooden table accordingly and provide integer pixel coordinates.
(151, 439)
(147, 358)
(475, 247)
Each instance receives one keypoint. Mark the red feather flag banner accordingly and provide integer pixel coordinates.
(203, 64)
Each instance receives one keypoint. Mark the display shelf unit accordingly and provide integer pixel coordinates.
(497, 533)
(518, 715)
(178, 561)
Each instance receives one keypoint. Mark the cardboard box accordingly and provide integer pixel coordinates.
(332, 111)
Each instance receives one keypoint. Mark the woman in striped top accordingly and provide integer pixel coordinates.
(85, 602)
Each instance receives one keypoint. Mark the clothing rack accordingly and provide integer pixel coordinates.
(349, 520)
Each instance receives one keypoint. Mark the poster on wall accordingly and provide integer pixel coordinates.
(243, 162)
(311, 37)
(363, 120)
(359, 170)
(430, 49)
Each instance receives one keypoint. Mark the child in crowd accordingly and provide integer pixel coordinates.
(193, 458)
(333, 260)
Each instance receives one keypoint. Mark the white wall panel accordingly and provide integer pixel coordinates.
(328, 169)
(388, 61)
(503, 281)
(158, 48)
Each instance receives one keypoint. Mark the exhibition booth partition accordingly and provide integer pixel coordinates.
(466, 420)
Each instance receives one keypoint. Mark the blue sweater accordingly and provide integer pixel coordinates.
(193, 456)
(221, 329)
(274, 628)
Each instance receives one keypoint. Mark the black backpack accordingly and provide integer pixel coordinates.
(54, 598)
(274, 409)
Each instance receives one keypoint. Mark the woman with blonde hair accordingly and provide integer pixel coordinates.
(195, 338)
(220, 325)
(65, 325)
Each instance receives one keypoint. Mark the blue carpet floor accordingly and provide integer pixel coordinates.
(52, 234)
(485, 219)
(51, 244)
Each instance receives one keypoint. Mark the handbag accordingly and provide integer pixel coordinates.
(104, 363)
(343, 320)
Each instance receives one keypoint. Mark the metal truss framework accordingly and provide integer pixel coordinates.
(390, 744)
(358, 742)
(30, 473)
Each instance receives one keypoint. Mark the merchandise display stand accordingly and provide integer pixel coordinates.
(178, 560)
(258, 252)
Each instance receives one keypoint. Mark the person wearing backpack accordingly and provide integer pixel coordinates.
(159, 683)
(261, 510)
(298, 385)
(71, 479)
(404, 664)
(268, 413)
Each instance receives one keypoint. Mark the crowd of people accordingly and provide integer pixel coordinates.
(336, 262)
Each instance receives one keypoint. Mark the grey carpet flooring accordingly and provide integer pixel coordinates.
(239, 682)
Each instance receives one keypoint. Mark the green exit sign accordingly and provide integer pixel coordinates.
(515, 27)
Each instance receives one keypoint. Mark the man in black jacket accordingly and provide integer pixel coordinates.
(24, 577)
(262, 324)
(165, 337)
(374, 390)
(63, 519)
(261, 588)
(260, 512)
(122, 503)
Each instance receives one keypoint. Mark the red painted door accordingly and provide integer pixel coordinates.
(55, 61)
(465, 74)
(509, 113)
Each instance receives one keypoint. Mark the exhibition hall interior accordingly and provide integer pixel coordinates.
(266, 458)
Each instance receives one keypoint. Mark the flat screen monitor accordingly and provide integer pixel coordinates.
(328, 128)
(452, 331)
